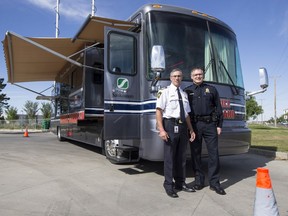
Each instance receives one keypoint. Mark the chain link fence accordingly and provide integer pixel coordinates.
(21, 124)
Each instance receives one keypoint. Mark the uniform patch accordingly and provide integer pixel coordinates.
(159, 94)
(207, 90)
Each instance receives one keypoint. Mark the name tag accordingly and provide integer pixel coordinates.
(176, 129)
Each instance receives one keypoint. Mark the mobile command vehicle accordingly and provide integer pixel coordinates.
(107, 77)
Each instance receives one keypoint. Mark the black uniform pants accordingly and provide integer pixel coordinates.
(208, 132)
(175, 154)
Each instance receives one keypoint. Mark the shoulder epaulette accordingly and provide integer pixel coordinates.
(187, 87)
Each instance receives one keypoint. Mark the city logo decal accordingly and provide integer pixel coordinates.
(122, 83)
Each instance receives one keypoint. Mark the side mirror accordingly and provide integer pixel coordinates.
(157, 66)
(157, 59)
(264, 82)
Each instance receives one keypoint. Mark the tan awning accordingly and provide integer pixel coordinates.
(36, 59)
(40, 59)
(93, 28)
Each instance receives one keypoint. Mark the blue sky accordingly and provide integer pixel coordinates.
(261, 28)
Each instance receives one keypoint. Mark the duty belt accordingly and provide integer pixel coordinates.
(206, 118)
(175, 120)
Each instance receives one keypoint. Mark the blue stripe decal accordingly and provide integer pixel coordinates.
(130, 107)
(94, 111)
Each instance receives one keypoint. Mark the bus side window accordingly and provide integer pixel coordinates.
(122, 53)
(77, 78)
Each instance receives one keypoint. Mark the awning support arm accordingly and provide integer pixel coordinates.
(44, 48)
(39, 93)
(86, 48)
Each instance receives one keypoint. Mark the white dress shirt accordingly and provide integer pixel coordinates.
(168, 101)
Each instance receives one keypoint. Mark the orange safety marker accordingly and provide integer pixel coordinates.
(26, 133)
(265, 202)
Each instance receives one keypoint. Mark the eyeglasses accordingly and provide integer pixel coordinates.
(176, 76)
(194, 75)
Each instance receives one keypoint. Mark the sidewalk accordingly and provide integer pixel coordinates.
(272, 154)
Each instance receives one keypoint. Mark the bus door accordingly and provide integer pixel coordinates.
(122, 107)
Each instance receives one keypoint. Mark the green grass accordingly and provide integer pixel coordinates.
(269, 138)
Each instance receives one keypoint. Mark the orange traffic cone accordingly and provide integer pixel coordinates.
(26, 133)
(265, 203)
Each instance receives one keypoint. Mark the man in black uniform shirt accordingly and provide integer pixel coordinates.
(207, 118)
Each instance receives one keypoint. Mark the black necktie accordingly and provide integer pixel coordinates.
(182, 113)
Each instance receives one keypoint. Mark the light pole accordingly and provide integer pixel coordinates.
(275, 114)
(22, 120)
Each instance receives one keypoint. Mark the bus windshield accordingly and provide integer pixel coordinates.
(194, 42)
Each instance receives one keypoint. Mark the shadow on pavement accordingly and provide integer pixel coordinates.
(233, 169)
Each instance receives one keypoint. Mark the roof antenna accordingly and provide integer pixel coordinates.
(57, 19)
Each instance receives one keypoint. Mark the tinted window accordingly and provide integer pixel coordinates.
(122, 57)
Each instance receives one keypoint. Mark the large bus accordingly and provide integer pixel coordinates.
(106, 78)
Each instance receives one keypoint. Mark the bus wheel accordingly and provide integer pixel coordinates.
(110, 149)
(59, 137)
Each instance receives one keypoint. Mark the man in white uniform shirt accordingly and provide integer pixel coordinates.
(173, 129)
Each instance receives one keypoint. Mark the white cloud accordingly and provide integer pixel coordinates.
(45, 4)
(75, 9)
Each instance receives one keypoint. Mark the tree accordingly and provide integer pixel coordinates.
(31, 109)
(3, 98)
(281, 119)
(252, 108)
(271, 120)
(11, 113)
(46, 110)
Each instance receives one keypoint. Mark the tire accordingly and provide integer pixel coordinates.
(110, 150)
(59, 136)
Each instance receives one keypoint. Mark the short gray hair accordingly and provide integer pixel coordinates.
(174, 70)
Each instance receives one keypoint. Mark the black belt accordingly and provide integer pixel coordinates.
(175, 120)
(204, 118)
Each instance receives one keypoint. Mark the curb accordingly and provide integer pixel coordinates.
(267, 153)
(21, 131)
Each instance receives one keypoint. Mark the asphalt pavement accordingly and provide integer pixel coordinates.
(42, 176)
